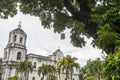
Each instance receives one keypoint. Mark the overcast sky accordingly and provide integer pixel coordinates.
(43, 41)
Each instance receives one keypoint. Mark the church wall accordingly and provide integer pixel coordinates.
(76, 76)
(11, 38)
(51, 57)
(14, 51)
(38, 62)
(6, 54)
(13, 72)
(6, 73)
(34, 74)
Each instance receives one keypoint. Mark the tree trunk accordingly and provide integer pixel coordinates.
(22, 76)
(43, 77)
(66, 74)
(27, 75)
(58, 76)
(71, 75)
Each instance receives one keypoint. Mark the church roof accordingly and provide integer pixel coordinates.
(18, 29)
(58, 50)
(37, 56)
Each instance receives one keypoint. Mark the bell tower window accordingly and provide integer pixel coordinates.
(34, 65)
(15, 36)
(18, 55)
(5, 56)
(21, 39)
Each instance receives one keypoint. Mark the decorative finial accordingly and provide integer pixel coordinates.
(19, 26)
(59, 48)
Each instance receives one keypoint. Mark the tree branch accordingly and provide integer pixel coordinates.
(68, 5)
(83, 16)
(63, 14)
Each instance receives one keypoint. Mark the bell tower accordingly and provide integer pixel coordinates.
(14, 52)
(16, 47)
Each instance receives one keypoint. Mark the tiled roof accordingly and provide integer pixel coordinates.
(18, 29)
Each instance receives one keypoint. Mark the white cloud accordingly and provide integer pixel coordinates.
(42, 41)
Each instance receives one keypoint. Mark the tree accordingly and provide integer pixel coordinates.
(67, 64)
(51, 77)
(8, 8)
(91, 78)
(73, 64)
(51, 69)
(13, 78)
(108, 34)
(82, 73)
(62, 14)
(63, 65)
(25, 67)
(94, 68)
(42, 70)
(111, 66)
(82, 17)
(48, 70)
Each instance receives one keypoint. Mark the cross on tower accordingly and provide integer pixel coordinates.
(19, 26)
(59, 48)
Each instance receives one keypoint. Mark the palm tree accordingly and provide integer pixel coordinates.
(68, 64)
(63, 64)
(13, 78)
(51, 69)
(20, 68)
(25, 67)
(42, 70)
(48, 70)
(51, 72)
(51, 77)
(73, 65)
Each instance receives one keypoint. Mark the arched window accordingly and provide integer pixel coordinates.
(33, 78)
(18, 55)
(5, 56)
(21, 39)
(34, 65)
(15, 36)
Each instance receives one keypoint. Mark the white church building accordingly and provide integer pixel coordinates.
(16, 51)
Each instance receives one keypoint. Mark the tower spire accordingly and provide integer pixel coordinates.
(58, 47)
(19, 26)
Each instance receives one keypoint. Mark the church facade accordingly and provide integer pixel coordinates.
(16, 51)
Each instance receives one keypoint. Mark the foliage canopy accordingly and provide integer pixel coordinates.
(90, 18)
(111, 66)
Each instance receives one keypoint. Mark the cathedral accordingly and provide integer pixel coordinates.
(16, 51)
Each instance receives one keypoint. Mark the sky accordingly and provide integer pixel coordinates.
(44, 41)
